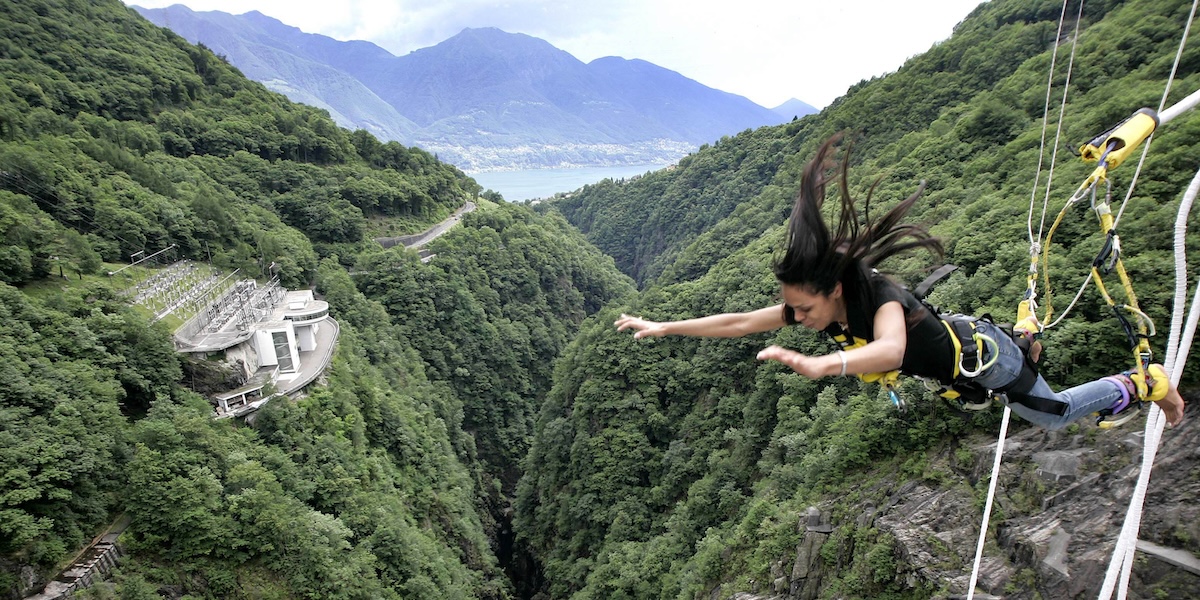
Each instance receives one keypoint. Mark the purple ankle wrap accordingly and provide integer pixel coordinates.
(1122, 382)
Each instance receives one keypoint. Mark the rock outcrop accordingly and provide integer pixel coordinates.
(1060, 504)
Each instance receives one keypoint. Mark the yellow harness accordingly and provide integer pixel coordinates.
(1109, 150)
(890, 379)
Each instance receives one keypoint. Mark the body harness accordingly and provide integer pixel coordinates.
(969, 361)
(1109, 149)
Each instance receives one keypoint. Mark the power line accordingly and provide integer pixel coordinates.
(21, 183)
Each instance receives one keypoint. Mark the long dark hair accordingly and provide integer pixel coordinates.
(816, 259)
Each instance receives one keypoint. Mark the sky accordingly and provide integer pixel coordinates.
(766, 50)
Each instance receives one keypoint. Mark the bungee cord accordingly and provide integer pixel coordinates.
(1162, 118)
(1035, 242)
(1178, 346)
(1179, 343)
(1029, 303)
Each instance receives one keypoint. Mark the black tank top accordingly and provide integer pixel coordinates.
(929, 351)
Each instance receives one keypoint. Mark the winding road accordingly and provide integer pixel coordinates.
(417, 240)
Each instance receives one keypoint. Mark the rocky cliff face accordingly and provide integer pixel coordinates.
(1059, 508)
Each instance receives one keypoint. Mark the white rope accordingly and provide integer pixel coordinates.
(1062, 107)
(1177, 350)
(1164, 116)
(1079, 294)
(1034, 243)
(1123, 555)
(1126, 546)
(987, 507)
(1087, 278)
(1162, 102)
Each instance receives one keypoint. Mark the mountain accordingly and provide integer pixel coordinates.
(657, 468)
(687, 469)
(292, 63)
(484, 99)
(794, 108)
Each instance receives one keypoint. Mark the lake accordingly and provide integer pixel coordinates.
(518, 186)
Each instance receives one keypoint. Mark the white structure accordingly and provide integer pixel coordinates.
(293, 329)
(287, 347)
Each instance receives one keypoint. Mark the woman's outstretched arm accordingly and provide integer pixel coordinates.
(723, 325)
(884, 353)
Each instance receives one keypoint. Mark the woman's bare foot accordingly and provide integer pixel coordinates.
(1172, 406)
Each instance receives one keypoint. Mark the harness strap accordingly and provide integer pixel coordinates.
(1043, 405)
(1018, 390)
(968, 351)
(962, 330)
(968, 345)
(965, 391)
(923, 288)
(887, 379)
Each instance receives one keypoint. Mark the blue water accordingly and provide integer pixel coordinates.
(518, 186)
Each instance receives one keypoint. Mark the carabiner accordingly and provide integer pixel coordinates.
(982, 366)
(897, 401)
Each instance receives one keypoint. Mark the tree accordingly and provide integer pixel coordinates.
(78, 251)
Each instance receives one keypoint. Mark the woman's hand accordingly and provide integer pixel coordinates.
(808, 366)
(643, 327)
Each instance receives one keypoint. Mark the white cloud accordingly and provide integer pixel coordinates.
(766, 50)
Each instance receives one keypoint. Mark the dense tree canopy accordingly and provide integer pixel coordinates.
(486, 382)
(118, 138)
(139, 141)
(664, 467)
(491, 314)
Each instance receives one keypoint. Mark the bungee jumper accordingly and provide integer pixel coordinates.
(829, 283)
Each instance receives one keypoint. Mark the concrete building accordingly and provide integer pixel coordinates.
(281, 340)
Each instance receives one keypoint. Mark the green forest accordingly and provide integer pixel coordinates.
(483, 431)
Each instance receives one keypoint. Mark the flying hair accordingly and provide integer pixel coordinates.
(816, 258)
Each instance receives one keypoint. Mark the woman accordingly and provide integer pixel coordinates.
(829, 284)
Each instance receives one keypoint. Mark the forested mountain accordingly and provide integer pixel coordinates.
(959, 116)
(309, 69)
(484, 98)
(392, 480)
(483, 432)
(683, 468)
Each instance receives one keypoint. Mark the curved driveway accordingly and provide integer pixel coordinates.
(417, 240)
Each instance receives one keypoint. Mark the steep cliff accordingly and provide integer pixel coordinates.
(1059, 508)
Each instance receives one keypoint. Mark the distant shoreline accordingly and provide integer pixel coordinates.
(528, 184)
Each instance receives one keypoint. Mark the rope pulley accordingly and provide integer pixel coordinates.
(1112, 147)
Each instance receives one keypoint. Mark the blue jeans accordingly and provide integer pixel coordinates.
(1081, 400)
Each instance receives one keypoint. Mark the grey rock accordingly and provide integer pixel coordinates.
(1060, 504)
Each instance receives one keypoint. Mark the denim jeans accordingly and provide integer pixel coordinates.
(1081, 400)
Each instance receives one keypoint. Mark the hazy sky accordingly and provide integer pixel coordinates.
(766, 50)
